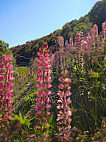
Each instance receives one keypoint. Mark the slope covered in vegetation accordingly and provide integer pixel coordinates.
(97, 15)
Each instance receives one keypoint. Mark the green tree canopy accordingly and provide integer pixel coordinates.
(97, 14)
(4, 48)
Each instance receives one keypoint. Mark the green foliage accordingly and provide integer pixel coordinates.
(22, 120)
(83, 137)
(98, 14)
(66, 31)
(81, 26)
(4, 48)
(100, 135)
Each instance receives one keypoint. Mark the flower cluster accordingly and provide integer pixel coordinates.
(89, 41)
(61, 42)
(6, 78)
(78, 38)
(94, 32)
(56, 61)
(84, 44)
(71, 42)
(104, 29)
(64, 115)
(43, 79)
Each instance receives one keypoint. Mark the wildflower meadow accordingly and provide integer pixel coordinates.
(61, 96)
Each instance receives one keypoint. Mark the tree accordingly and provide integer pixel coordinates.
(97, 14)
(4, 48)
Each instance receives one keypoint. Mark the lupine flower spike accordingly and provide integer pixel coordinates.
(43, 79)
(64, 115)
(6, 78)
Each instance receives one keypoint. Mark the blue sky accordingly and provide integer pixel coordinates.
(26, 20)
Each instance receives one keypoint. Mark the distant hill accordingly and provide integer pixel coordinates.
(97, 15)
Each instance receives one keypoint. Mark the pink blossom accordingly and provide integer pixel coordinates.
(68, 113)
(11, 77)
(43, 79)
(61, 79)
(61, 42)
(6, 78)
(71, 42)
(67, 80)
(64, 114)
(84, 46)
(61, 86)
(104, 29)
(48, 92)
(48, 106)
(48, 113)
(64, 74)
(1, 78)
(58, 107)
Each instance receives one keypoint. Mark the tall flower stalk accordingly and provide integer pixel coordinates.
(64, 115)
(6, 78)
(104, 30)
(43, 79)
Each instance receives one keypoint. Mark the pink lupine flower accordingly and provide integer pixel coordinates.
(94, 32)
(63, 106)
(71, 42)
(61, 79)
(84, 46)
(11, 77)
(61, 42)
(89, 41)
(43, 79)
(64, 74)
(6, 78)
(104, 26)
(104, 29)
(78, 38)
(105, 58)
(61, 86)
(67, 80)
(56, 61)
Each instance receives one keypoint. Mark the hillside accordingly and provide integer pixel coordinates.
(97, 15)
